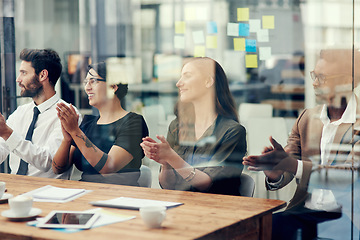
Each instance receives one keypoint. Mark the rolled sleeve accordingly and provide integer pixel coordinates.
(13, 141)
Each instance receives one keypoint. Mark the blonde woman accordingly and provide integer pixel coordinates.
(205, 143)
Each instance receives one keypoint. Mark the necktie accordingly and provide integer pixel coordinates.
(23, 168)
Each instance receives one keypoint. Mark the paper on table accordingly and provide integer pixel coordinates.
(133, 203)
(107, 217)
(57, 193)
(50, 193)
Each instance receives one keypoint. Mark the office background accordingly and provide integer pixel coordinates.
(267, 48)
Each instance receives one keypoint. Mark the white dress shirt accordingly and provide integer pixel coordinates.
(330, 128)
(45, 142)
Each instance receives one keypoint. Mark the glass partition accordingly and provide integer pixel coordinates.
(279, 57)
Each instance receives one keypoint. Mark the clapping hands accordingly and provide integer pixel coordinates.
(160, 152)
(69, 119)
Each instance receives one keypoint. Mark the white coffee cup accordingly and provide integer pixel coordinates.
(153, 216)
(21, 205)
(2, 189)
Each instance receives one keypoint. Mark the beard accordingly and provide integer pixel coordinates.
(336, 98)
(33, 89)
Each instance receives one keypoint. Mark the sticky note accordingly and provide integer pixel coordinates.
(212, 28)
(180, 27)
(263, 35)
(254, 25)
(179, 42)
(199, 51)
(251, 61)
(250, 45)
(243, 14)
(239, 44)
(198, 37)
(201, 13)
(243, 29)
(211, 41)
(233, 29)
(190, 14)
(268, 22)
(264, 53)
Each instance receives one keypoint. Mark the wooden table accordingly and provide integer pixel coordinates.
(203, 216)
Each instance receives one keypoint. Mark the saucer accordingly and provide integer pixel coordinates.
(10, 215)
(5, 197)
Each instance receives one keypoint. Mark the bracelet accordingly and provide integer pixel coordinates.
(191, 175)
(274, 185)
(101, 162)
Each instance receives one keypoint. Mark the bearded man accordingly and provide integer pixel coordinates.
(32, 133)
(324, 141)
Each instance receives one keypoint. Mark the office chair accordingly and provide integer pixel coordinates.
(145, 176)
(247, 186)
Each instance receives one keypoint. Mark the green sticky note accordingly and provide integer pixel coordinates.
(233, 29)
(264, 53)
(263, 35)
(199, 51)
(198, 37)
(179, 42)
(254, 25)
(251, 61)
(211, 41)
(243, 14)
(180, 27)
(268, 22)
(239, 44)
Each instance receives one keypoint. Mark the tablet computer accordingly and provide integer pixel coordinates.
(69, 219)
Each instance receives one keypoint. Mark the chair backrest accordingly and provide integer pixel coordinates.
(145, 176)
(251, 110)
(75, 174)
(260, 129)
(247, 185)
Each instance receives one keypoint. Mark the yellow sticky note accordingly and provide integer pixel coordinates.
(239, 44)
(199, 51)
(190, 13)
(251, 61)
(211, 41)
(268, 22)
(180, 27)
(243, 14)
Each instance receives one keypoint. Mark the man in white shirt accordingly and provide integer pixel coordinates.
(321, 138)
(31, 153)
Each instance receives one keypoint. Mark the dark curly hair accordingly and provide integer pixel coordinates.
(43, 59)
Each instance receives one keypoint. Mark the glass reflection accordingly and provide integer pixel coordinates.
(148, 48)
(322, 140)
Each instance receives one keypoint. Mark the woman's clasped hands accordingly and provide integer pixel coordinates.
(69, 119)
(160, 152)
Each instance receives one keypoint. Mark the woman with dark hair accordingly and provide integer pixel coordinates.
(106, 148)
(205, 143)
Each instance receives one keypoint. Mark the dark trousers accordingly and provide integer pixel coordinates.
(286, 224)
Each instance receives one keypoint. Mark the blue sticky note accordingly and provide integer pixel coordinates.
(211, 27)
(250, 45)
(243, 29)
